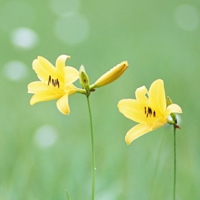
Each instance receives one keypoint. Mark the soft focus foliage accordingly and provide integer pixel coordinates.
(43, 152)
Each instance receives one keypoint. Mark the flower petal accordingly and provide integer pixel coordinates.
(44, 96)
(62, 105)
(157, 96)
(36, 86)
(173, 108)
(60, 62)
(43, 68)
(132, 109)
(136, 132)
(159, 122)
(140, 94)
(71, 74)
(70, 89)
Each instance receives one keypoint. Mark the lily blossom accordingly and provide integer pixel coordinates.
(55, 82)
(149, 109)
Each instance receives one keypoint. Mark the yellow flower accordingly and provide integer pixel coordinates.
(111, 75)
(55, 82)
(149, 109)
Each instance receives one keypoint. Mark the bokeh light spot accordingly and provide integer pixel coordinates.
(45, 136)
(187, 17)
(64, 7)
(15, 70)
(24, 38)
(72, 29)
(15, 14)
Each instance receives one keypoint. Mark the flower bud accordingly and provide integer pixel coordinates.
(168, 101)
(111, 75)
(84, 79)
(173, 115)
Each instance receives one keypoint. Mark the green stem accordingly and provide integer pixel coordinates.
(67, 194)
(92, 146)
(174, 189)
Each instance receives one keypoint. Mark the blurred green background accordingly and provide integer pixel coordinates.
(43, 153)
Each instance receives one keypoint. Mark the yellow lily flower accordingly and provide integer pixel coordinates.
(149, 109)
(55, 82)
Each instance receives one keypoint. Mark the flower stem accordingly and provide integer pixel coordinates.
(67, 194)
(92, 147)
(174, 189)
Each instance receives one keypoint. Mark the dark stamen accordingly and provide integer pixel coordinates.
(49, 81)
(149, 112)
(54, 82)
(58, 83)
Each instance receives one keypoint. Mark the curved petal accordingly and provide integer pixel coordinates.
(44, 96)
(140, 94)
(159, 122)
(157, 96)
(70, 89)
(132, 109)
(36, 86)
(173, 108)
(43, 68)
(62, 105)
(60, 62)
(136, 132)
(71, 74)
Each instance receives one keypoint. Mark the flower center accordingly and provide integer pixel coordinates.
(149, 112)
(54, 82)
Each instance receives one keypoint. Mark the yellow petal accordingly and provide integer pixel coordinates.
(132, 109)
(141, 94)
(36, 86)
(173, 108)
(71, 74)
(70, 89)
(60, 62)
(136, 132)
(62, 105)
(44, 96)
(112, 75)
(159, 122)
(157, 96)
(43, 68)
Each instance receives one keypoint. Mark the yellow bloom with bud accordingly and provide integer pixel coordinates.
(57, 82)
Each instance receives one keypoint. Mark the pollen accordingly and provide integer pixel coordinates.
(53, 82)
(149, 112)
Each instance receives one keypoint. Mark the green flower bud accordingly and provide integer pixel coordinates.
(173, 115)
(84, 80)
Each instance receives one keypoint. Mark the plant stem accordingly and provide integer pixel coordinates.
(67, 194)
(174, 189)
(92, 148)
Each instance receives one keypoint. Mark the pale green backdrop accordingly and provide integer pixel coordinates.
(43, 153)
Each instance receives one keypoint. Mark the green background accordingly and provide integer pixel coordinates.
(43, 153)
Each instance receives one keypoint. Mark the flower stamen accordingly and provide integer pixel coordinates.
(54, 82)
(149, 112)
